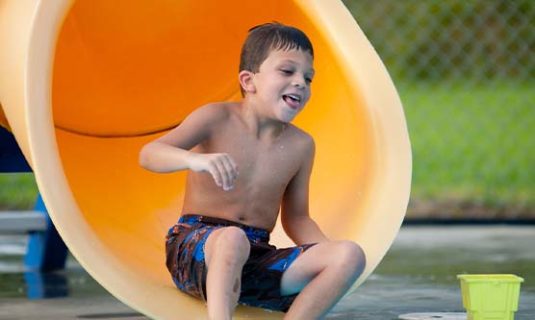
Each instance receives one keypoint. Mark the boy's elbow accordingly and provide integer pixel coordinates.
(144, 157)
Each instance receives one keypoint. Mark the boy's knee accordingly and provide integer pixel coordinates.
(352, 256)
(233, 242)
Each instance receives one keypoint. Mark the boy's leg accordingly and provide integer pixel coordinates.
(226, 251)
(322, 275)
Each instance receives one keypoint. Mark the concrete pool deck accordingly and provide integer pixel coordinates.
(417, 275)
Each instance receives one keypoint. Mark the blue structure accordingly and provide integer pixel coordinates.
(46, 285)
(11, 158)
(46, 250)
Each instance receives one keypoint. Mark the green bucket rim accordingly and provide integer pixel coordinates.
(490, 278)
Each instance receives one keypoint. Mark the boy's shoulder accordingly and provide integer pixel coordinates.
(212, 113)
(216, 109)
(301, 138)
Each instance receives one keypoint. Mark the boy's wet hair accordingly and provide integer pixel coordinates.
(264, 38)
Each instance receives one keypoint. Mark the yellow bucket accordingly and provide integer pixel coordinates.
(84, 84)
(490, 296)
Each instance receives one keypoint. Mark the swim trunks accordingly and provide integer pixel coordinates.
(261, 275)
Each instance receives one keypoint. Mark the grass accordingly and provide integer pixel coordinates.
(18, 191)
(472, 143)
(472, 146)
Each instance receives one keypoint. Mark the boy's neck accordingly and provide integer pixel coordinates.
(261, 125)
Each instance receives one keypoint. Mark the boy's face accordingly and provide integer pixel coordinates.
(283, 82)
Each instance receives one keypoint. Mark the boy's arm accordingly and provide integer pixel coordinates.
(170, 152)
(294, 210)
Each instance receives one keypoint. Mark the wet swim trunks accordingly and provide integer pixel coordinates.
(261, 275)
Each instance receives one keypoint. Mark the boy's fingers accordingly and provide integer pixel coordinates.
(223, 170)
(229, 168)
(228, 176)
(216, 175)
(234, 166)
(222, 173)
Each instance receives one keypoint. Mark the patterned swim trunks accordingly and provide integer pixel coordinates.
(261, 275)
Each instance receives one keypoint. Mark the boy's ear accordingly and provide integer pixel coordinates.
(246, 81)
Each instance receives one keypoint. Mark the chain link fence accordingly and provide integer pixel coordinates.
(465, 71)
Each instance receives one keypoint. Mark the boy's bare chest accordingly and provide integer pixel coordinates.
(260, 164)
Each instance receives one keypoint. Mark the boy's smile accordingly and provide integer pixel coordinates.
(282, 84)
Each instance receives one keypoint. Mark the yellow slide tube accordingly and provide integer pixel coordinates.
(84, 84)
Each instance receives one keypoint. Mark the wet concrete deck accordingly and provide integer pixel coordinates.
(417, 275)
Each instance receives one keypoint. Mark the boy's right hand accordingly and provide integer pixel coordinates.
(220, 165)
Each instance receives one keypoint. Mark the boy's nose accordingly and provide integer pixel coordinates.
(298, 82)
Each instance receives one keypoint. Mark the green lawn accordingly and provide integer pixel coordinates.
(17, 191)
(472, 143)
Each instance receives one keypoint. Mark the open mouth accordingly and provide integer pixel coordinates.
(293, 100)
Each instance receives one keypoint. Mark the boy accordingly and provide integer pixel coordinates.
(246, 161)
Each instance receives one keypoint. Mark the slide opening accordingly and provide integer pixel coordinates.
(126, 72)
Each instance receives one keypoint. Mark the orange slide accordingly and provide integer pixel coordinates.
(84, 84)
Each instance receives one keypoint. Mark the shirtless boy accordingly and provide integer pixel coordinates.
(246, 162)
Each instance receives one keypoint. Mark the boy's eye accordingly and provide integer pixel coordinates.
(308, 80)
(286, 71)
